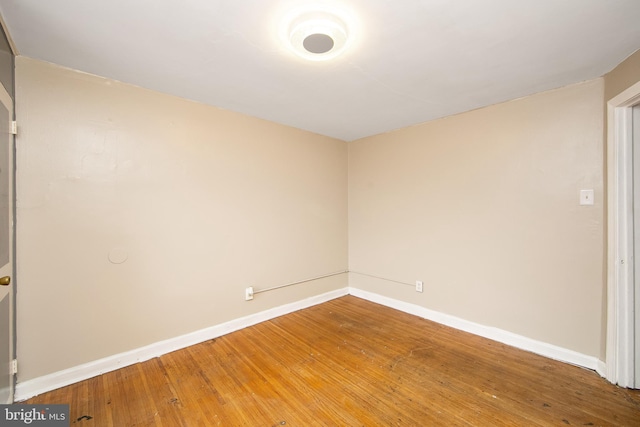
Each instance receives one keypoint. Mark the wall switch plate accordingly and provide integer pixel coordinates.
(248, 293)
(419, 285)
(586, 197)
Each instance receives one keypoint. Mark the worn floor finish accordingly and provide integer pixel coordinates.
(349, 362)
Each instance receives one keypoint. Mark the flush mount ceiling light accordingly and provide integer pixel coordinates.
(317, 34)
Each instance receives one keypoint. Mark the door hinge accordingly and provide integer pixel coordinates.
(14, 128)
(14, 367)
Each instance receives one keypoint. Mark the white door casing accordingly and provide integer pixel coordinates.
(635, 138)
(620, 239)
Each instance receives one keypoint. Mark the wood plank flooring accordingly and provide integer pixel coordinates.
(348, 362)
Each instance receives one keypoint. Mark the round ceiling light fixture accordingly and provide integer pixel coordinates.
(317, 34)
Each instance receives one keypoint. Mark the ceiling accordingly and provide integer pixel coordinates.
(411, 60)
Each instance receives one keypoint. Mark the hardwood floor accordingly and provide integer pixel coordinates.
(348, 362)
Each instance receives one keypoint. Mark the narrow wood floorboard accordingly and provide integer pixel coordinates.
(348, 362)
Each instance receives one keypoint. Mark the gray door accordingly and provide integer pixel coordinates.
(7, 305)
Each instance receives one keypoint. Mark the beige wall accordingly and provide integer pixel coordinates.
(625, 75)
(203, 202)
(483, 207)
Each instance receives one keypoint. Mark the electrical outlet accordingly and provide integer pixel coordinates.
(418, 285)
(248, 293)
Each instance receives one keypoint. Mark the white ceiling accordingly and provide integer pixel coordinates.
(413, 60)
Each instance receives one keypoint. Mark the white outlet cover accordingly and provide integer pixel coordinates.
(586, 197)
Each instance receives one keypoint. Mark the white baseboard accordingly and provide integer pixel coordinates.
(544, 349)
(36, 386)
(33, 387)
(602, 369)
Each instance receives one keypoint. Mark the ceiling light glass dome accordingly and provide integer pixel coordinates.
(317, 34)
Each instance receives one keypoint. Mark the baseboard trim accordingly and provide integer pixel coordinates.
(30, 388)
(544, 349)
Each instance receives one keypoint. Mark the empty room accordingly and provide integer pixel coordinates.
(331, 212)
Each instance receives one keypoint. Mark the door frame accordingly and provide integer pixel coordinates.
(7, 101)
(620, 256)
(13, 303)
